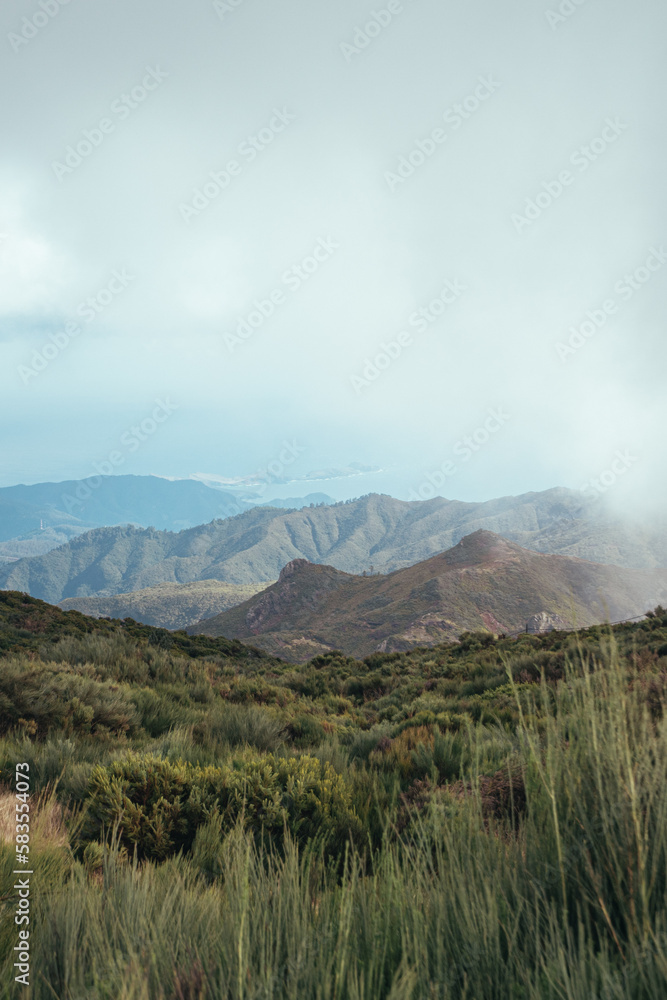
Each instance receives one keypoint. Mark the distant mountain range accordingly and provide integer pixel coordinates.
(168, 605)
(372, 534)
(37, 543)
(484, 582)
(35, 519)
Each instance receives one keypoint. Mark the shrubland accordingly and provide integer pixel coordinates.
(481, 820)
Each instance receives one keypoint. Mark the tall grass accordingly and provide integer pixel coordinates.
(562, 899)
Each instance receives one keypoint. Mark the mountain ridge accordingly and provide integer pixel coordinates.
(369, 534)
(79, 505)
(483, 583)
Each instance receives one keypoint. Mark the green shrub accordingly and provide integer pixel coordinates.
(157, 712)
(93, 857)
(102, 650)
(158, 805)
(53, 696)
(361, 743)
(208, 847)
(239, 725)
(306, 731)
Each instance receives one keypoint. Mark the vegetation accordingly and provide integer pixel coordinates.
(82, 504)
(254, 546)
(482, 820)
(483, 582)
(168, 605)
(27, 623)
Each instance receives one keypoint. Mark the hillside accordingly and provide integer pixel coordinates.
(484, 582)
(168, 605)
(38, 543)
(374, 531)
(103, 500)
(36, 519)
(28, 624)
(296, 503)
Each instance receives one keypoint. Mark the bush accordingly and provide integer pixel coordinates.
(102, 650)
(157, 712)
(306, 731)
(405, 753)
(239, 725)
(53, 696)
(360, 743)
(158, 806)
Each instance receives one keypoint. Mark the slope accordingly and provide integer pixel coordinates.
(373, 531)
(484, 582)
(105, 500)
(167, 605)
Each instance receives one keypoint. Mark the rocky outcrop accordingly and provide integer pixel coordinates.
(545, 622)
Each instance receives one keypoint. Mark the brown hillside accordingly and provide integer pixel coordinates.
(168, 605)
(484, 582)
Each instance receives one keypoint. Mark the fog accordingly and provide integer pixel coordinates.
(426, 238)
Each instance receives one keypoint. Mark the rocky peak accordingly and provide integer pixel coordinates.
(293, 567)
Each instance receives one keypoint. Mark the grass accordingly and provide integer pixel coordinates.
(516, 850)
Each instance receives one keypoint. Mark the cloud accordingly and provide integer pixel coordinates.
(322, 177)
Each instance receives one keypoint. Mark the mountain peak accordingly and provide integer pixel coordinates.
(482, 546)
(483, 582)
(292, 568)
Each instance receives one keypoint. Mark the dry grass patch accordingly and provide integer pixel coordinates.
(47, 826)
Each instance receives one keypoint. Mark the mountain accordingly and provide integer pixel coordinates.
(168, 605)
(103, 500)
(36, 519)
(37, 543)
(484, 582)
(373, 533)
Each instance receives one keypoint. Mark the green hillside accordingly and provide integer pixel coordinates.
(106, 500)
(38, 543)
(26, 623)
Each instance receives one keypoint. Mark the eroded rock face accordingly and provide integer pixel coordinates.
(291, 568)
(545, 622)
(301, 587)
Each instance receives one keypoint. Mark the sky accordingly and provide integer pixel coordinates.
(254, 239)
